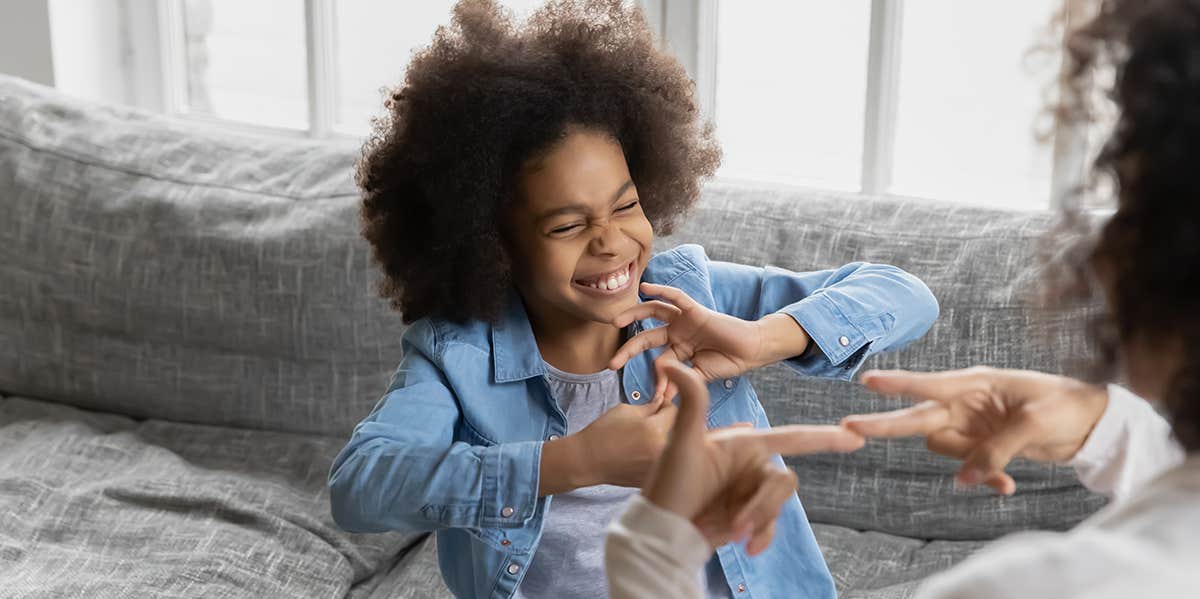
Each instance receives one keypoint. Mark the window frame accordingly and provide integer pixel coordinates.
(688, 28)
(154, 30)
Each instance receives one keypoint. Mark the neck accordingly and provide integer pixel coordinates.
(574, 345)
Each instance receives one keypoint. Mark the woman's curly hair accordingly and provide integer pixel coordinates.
(486, 96)
(1145, 56)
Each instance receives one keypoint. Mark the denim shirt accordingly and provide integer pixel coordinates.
(454, 446)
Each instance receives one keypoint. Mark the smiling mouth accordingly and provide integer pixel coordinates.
(608, 283)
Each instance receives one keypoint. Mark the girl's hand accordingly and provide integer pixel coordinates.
(717, 345)
(986, 417)
(620, 446)
(724, 481)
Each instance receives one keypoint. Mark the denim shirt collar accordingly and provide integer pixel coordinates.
(515, 355)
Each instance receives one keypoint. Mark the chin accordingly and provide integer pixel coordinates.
(615, 306)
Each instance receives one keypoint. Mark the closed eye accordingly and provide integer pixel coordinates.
(566, 229)
(628, 206)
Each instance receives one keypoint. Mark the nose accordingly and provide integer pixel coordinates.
(605, 239)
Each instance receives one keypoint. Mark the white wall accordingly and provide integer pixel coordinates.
(77, 46)
(89, 49)
(25, 40)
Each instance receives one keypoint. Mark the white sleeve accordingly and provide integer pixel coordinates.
(1095, 564)
(1130, 445)
(652, 552)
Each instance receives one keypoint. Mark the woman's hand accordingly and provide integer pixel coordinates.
(725, 481)
(717, 345)
(986, 417)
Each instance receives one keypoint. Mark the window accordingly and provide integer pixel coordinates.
(928, 98)
(368, 58)
(791, 90)
(313, 67)
(966, 119)
(245, 61)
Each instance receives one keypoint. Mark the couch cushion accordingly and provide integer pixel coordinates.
(156, 269)
(977, 263)
(880, 566)
(100, 505)
(863, 564)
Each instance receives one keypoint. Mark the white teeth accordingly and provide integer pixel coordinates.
(610, 282)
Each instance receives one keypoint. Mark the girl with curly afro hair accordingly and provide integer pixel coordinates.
(511, 197)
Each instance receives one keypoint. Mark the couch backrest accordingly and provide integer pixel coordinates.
(979, 263)
(156, 269)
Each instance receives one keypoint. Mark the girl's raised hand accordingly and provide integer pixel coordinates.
(717, 345)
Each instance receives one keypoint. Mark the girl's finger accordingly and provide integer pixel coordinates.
(670, 392)
(663, 386)
(689, 426)
(664, 419)
(655, 404)
(671, 294)
(637, 344)
(658, 310)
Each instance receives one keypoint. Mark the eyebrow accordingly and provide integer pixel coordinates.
(583, 208)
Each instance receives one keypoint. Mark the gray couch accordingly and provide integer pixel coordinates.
(188, 333)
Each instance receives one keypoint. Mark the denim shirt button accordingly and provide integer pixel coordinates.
(551, 437)
(636, 395)
(844, 340)
(506, 512)
(513, 569)
(741, 588)
(728, 383)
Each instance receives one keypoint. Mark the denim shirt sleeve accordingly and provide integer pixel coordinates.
(849, 313)
(403, 471)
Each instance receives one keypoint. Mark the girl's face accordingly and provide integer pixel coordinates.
(579, 238)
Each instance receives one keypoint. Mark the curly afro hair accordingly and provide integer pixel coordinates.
(1149, 250)
(488, 95)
